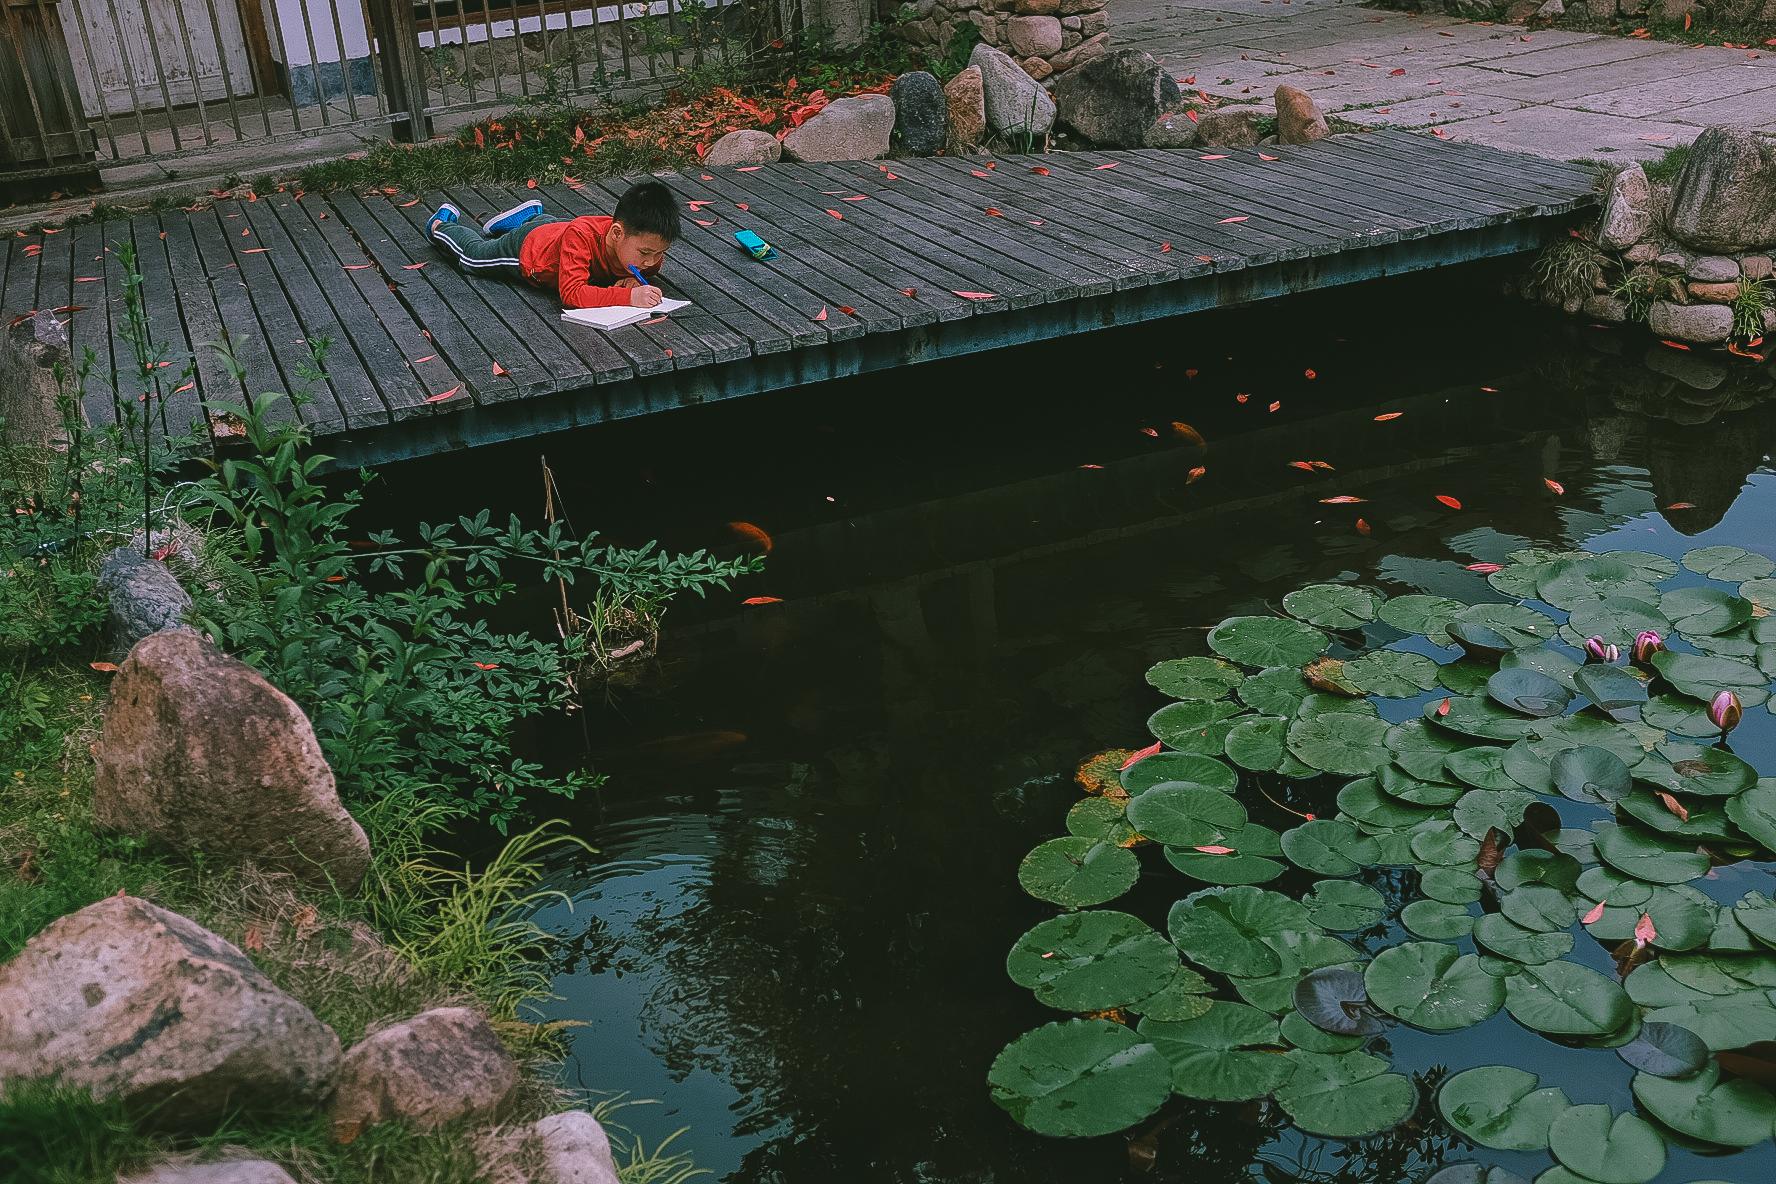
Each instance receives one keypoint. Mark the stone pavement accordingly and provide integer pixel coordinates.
(1555, 93)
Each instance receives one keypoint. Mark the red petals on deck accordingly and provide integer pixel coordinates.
(909, 293)
(1194, 475)
(821, 315)
(847, 310)
(442, 395)
(499, 371)
(111, 668)
(1262, 156)
(752, 534)
(1343, 499)
(978, 295)
(1235, 218)
(755, 601)
(1102, 167)
(993, 212)
(412, 266)
(1154, 432)
(1385, 416)
(1362, 527)
(356, 266)
(1039, 171)
(1164, 247)
(1311, 373)
(1554, 487)
(1304, 466)
(1675, 345)
(837, 215)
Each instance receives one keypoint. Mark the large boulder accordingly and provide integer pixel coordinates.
(1627, 211)
(921, 112)
(747, 146)
(439, 1066)
(200, 752)
(1117, 98)
(566, 1148)
(1299, 120)
(232, 1171)
(138, 1003)
(1703, 324)
(1034, 36)
(854, 128)
(1016, 103)
(144, 598)
(1725, 199)
(967, 101)
(1231, 127)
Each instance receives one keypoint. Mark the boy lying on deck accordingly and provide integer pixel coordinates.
(593, 261)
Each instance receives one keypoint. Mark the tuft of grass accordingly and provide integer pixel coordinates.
(1667, 167)
(1568, 269)
(51, 1134)
(1749, 306)
(1637, 289)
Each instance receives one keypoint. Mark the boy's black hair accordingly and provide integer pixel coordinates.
(649, 208)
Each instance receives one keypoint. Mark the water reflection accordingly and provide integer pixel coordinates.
(794, 934)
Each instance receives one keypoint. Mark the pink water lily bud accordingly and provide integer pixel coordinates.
(1599, 652)
(1646, 644)
(1726, 711)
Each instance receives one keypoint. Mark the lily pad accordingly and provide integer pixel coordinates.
(1266, 641)
(1482, 766)
(1729, 564)
(1754, 812)
(1195, 678)
(1590, 774)
(1703, 677)
(1566, 999)
(1092, 961)
(1278, 691)
(1418, 613)
(1421, 749)
(1100, 819)
(1707, 821)
(1610, 688)
(1335, 1000)
(1392, 674)
(1501, 1107)
(1541, 907)
(1259, 743)
(1528, 768)
(1451, 885)
(1432, 986)
(1345, 1095)
(1184, 998)
(1509, 940)
(1735, 1113)
(1606, 884)
(1550, 662)
(1665, 1050)
(1757, 914)
(1568, 582)
(1190, 768)
(1474, 716)
(1469, 675)
(1702, 772)
(1683, 918)
(1695, 611)
(1344, 907)
(1080, 1078)
(1528, 692)
(1363, 800)
(1618, 620)
(1223, 928)
(1474, 1173)
(1599, 1144)
(1332, 606)
(1234, 867)
(1437, 921)
(1340, 743)
(1671, 712)
(1193, 725)
(1298, 1032)
(1076, 872)
(1397, 783)
(1214, 1056)
(1185, 815)
(1519, 626)
(1442, 844)
(1297, 953)
(1329, 847)
(1484, 810)
(1653, 858)
(1521, 868)
(1723, 1021)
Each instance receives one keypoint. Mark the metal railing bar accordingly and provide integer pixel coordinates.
(517, 42)
(203, 117)
(129, 75)
(166, 92)
(222, 61)
(18, 42)
(314, 66)
(345, 80)
(277, 26)
(92, 71)
(571, 39)
(623, 42)
(462, 31)
(76, 108)
(376, 71)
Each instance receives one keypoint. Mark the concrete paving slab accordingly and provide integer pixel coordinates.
(1576, 55)
(1427, 111)
(1351, 86)
(1561, 134)
(1593, 80)
(1755, 109)
(1676, 94)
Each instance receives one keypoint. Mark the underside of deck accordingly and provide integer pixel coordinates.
(881, 264)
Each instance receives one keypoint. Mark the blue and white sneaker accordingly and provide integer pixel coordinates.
(513, 218)
(446, 213)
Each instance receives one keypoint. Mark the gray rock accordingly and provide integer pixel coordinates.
(744, 147)
(1116, 99)
(855, 128)
(1518, 12)
(138, 1003)
(566, 1148)
(1755, 267)
(1627, 211)
(1606, 308)
(1298, 117)
(1231, 127)
(1675, 262)
(30, 351)
(1085, 51)
(144, 598)
(1034, 36)
(200, 752)
(233, 1171)
(1725, 198)
(1703, 324)
(433, 1069)
(1697, 372)
(1173, 129)
(1642, 252)
(1551, 10)
(966, 99)
(921, 113)
(1713, 269)
(1016, 104)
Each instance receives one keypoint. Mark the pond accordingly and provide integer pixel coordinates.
(793, 935)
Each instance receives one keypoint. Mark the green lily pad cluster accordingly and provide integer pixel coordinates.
(1280, 968)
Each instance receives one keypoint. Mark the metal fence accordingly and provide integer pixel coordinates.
(86, 84)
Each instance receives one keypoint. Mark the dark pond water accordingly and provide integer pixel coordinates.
(793, 936)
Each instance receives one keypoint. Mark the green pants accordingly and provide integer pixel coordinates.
(475, 251)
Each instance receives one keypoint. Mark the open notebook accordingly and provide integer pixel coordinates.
(620, 315)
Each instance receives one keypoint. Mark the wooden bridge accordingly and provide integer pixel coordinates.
(882, 264)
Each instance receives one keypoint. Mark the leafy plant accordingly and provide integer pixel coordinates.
(1567, 270)
(1749, 307)
(1668, 166)
(1637, 289)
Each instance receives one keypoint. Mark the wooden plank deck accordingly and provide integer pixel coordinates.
(875, 260)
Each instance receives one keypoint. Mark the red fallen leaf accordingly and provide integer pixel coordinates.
(1214, 156)
(1554, 486)
(1205, 258)
(499, 371)
(1141, 753)
(1304, 466)
(1734, 348)
(1102, 167)
(847, 310)
(1395, 73)
(1491, 850)
(1039, 171)
(1311, 374)
(978, 295)
(821, 315)
(740, 205)
(1262, 156)
(179, 390)
(1194, 475)
(702, 222)
(441, 396)
(754, 601)
(1673, 805)
(1164, 248)
(1440, 133)
(1275, 407)
(1321, 464)
(255, 250)
(1485, 569)
(747, 168)
(1342, 499)
(356, 266)
(104, 667)
(530, 184)
(1681, 506)
(1188, 81)
(1235, 218)
(1191, 115)
(1491, 390)
(1362, 527)
(412, 266)
(486, 665)
(1675, 345)
(1644, 932)
(87, 279)
(752, 534)
(1687, 22)
(1443, 708)
(72, 308)
(909, 292)
(1091, 466)
(427, 358)
(1241, 398)
(837, 215)
(1187, 433)
(1154, 432)
(858, 197)
(993, 212)
(1385, 416)
(1595, 915)
(403, 205)
(979, 173)
(1216, 850)
(1452, 503)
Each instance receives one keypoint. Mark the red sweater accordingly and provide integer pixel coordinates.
(571, 257)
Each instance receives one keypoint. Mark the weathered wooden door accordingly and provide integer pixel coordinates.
(146, 55)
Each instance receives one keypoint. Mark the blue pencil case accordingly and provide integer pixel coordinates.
(755, 246)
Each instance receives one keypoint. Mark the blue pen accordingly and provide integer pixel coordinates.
(639, 278)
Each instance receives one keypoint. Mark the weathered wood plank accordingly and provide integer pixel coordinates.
(197, 307)
(175, 376)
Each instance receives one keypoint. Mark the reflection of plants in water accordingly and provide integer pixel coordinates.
(1259, 996)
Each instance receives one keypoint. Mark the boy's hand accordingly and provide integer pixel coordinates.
(645, 297)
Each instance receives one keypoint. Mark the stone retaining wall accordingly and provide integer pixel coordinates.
(1046, 37)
